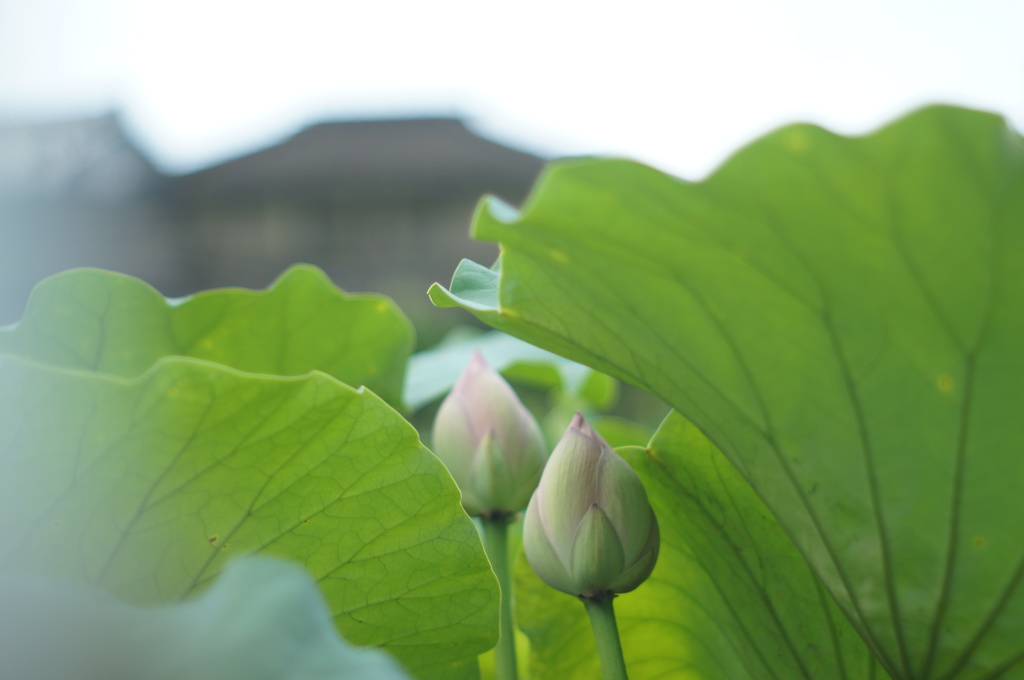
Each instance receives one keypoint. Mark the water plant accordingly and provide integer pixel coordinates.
(836, 323)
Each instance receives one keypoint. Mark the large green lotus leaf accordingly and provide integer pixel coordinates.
(263, 619)
(146, 486)
(730, 596)
(113, 323)
(844, 318)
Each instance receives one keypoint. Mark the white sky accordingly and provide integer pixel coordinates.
(678, 84)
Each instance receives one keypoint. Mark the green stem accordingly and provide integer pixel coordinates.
(496, 543)
(606, 634)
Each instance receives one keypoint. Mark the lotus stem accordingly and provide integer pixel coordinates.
(606, 634)
(495, 530)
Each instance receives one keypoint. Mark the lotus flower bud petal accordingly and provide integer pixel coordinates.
(597, 559)
(491, 444)
(636, 574)
(542, 555)
(589, 526)
(488, 468)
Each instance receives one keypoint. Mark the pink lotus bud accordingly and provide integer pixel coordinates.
(589, 528)
(489, 441)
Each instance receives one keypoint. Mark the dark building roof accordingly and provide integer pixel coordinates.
(374, 160)
(80, 193)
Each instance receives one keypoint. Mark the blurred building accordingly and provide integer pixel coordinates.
(380, 205)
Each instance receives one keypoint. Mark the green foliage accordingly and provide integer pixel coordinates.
(262, 620)
(145, 485)
(112, 323)
(842, 318)
(839, 318)
(730, 596)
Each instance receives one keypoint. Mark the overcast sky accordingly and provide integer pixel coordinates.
(676, 84)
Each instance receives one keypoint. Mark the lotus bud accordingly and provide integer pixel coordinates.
(589, 528)
(489, 441)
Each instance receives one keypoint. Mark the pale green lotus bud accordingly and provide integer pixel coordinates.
(590, 529)
(489, 441)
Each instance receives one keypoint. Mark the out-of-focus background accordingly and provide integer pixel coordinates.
(214, 142)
